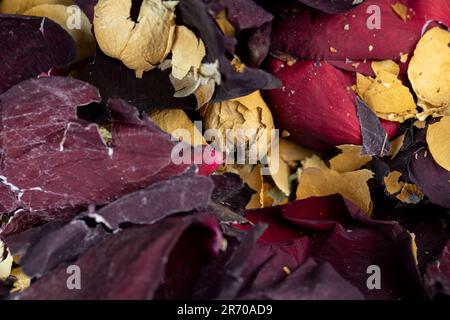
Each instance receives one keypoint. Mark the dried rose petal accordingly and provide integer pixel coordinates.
(316, 105)
(30, 46)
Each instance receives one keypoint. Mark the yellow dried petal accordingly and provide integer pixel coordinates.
(225, 24)
(290, 151)
(387, 96)
(205, 92)
(410, 194)
(396, 145)
(429, 72)
(405, 192)
(65, 18)
(350, 159)
(386, 65)
(173, 120)
(280, 175)
(5, 265)
(363, 83)
(22, 280)
(188, 52)
(401, 10)
(140, 45)
(316, 180)
(392, 183)
(438, 139)
(245, 113)
(20, 6)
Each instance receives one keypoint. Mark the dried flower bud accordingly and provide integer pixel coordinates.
(244, 113)
(141, 45)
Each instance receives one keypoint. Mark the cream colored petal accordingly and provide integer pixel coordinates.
(188, 52)
(429, 71)
(438, 139)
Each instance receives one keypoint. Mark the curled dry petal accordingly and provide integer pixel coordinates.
(429, 73)
(141, 45)
(244, 113)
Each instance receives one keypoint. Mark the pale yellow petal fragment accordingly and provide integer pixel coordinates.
(401, 10)
(290, 151)
(173, 121)
(5, 265)
(392, 183)
(350, 159)
(22, 280)
(386, 65)
(316, 180)
(188, 52)
(225, 24)
(429, 73)
(438, 139)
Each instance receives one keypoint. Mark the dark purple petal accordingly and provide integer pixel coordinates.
(133, 264)
(115, 80)
(311, 281)
(375, 139)
(30, 46)
(437, 277)
(57, 164)
(431, 178)
(246, 14)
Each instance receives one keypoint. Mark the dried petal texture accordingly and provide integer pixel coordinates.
(348, 240)
(188, 52)
(387, 96)
(438, 139)
(375, 138)
(405, 192)
(316, 180)
(138, 263)
(6, 261)
(141, 45)
(44, 248)
(75, 22)
(316, 105)
(359, 34)
(429, 73)
(20, 6)
(240, 114)
(430, 177)
(55, 162)
(30, 46)
(177, 123)
(437, 277)
(350, 159)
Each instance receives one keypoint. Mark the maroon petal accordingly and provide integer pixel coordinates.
(30, 46)
(316, 104)
(134, 263)
(437, 277)
(311, 35)
(57, 164)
